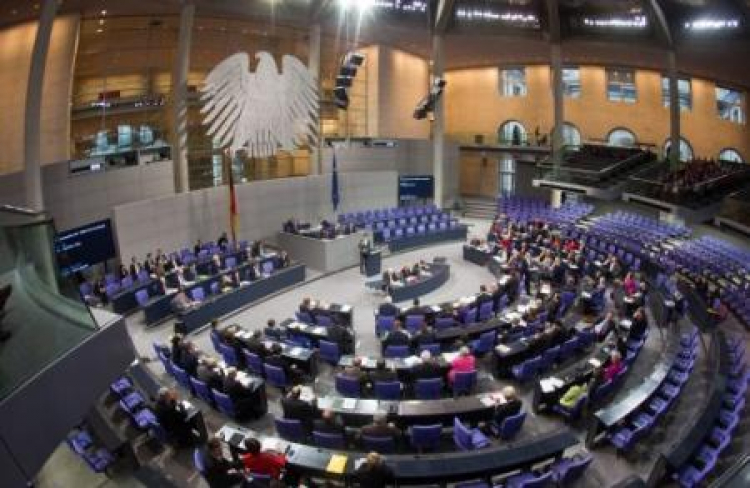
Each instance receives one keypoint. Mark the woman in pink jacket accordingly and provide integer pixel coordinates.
(463, 363)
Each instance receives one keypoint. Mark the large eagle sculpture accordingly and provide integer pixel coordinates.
(260, 112)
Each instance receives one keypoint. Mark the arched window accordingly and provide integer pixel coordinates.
(686, 151)
(511, 133)
(730, 155)
(621, 137)
(571, 135)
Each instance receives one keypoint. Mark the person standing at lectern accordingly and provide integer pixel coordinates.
(364, 251)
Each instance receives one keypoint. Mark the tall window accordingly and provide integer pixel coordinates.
(621, 85)
(729, 105)
(512, 133)
(686, 151)
(513, 81)
(571, 135)
(731, 155)
(507, 182)
(571, 78)
(621, 138)
(684, 93)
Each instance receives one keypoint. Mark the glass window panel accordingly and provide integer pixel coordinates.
(513, 82)
(731, 156)
(686, 151)
(684, 93)
(729, 104)
(571, 82)
(621, 85)
(512, 133)
(621, 138)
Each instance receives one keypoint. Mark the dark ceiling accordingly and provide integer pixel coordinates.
(473, 38)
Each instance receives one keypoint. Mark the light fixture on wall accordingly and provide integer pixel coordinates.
(427, 105)
(345, 79)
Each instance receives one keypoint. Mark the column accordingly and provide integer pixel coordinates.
(32, 149)
(179, 99)
(558, 103)
(313, 64)
(438, 125)
(674, 109)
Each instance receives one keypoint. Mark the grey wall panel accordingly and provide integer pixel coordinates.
(10, 474)
(34, 420)
(175, 221)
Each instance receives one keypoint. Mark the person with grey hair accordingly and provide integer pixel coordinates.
(381, 428)
(387, 308)
(427, 368)
(172, 416)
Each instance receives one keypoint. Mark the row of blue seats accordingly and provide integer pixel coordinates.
(563, 472)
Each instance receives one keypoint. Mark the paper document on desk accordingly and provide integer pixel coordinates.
(435, 308)
(349, 403)
(306, 393)
(595, 362)
(557, 382)
(502, 348)
(319, 330)
(412, 360)
(272, 444)
(337, 464)
(547, 385)
(296, 351)
(487, 401)
(346, 308)
(359, 462)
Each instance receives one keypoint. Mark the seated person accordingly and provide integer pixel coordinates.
(229, 338)
(416, 308)
(381, 374)
(387, 308)
(425, 335)
(511, 406)
(219, 472)
(267, 463)
(629, 284)
(255, 345)
(397, 337)
(244, 400)
(639, 324)
(293, 407)
(172, 416)
(463, 363)
(306, 306)
(328, 423)
(275, 358)
(614, 367)
(223, 241)
(354, 371)
(572, 395)
(181, 303)
(342, 336)
(273, 332)
(603, 327)
(189, 358)
(209, 373)
(374, 473)
(427, 368)
(380, 428)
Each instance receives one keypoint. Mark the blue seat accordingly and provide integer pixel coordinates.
(511, 425)
(442, 323)
(434, 349)
(428, 389)
(197, 294)
(486, 341)
(347, 386)
(215, 340)
(486, 311)
(202, 390)
(397, 352)
(229, 354)
(141, 297)
(413, 322)
(329, 352)
(380, 444)
(290, 430)
(425, 436)
(529, 480)
(387, 390)
(305, 318)
(329, 441)
(323, 320)
(275, 376)
(224, 404)
(468, 439)
(183, 379)
(568, 470)
(526, 370)
(254, 362)
(198, 461)
(121, 386)
(384, 324)
(463, 382)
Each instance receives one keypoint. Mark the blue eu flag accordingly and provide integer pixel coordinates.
(335, 196)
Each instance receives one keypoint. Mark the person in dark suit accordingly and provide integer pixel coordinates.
(639, 324)
(273, 332)
(387, 308)
(374, 473)
(397, 337)
(381, 374)
(416, 308)
(385, 282)
(342, 336)
(355, 372)
(218, 471)
(223, 241)
(175, 351)
(523, 269)
(243, 398)
(484, 295)
(328, 423)
(173, 418)
(425, 335)
(275, 358)
(189, 358)
(427, 368)
(511, 287)
(255, 345)
(295, 408)
(511, 406)
(381, 428)
(209, 373)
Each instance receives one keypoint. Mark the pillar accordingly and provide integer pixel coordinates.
(558, 103)
(32, 149)
(674, 109)
(179, 99)
(313, 64)
(438, 125)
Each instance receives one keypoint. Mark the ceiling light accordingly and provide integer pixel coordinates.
(104, 12)
(361, 5)
(635, 22)
(705, 24)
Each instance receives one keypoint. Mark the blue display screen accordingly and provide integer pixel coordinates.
(413, 187)
(85, 246)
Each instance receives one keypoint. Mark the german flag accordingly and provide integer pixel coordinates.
(234, 217)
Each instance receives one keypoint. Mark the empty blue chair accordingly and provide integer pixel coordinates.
(486, 341)
(198, 294)
(329, 441)
(98, 460)
(567, 470)
(380, 444)
(126, 282)
(384, 324)
(111, 289)
(215, 290)
(304, 317)
(444, 323)
(290, 430)
(229, 354)
(526, 370)
(121, 386)
(347, 386)
(413, 322)
(511, 426)
(141, 297)
(387, 390)
(224, 404)
(548, 358)
(468, 439)
(275, 376)
(486, 311)
(463, 382)
(329, 352)
(424, 437)
(202, 390)
(231, 262)
(254, 362)
(624, 438)
(397, 352)
(198, 461)
(529, 480)
(323, 320)
(428, 389)
(132, 402)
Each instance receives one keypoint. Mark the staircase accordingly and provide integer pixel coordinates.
(480, 207)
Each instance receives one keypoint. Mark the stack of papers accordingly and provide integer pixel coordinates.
(502, 348)
(346, 308)
(349, 403)
(271, 444)
(412, 360)
(595, 362)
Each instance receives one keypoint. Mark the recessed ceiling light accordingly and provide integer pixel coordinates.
(104, 12)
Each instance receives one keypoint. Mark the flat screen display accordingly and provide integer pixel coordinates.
(414, 187)
(85, 246)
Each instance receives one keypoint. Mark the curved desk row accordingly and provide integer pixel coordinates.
(410, 469)
(455, 233)
(476, 255)
(220, 305)
(424, 284)
(159, 307)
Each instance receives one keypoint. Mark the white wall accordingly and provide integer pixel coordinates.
(175, 221)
